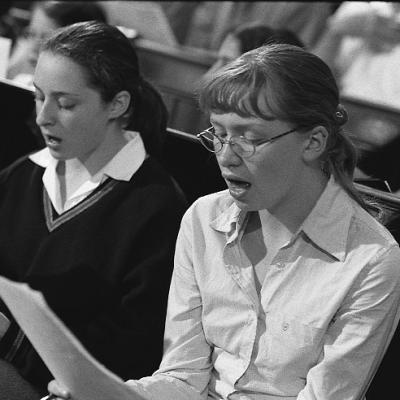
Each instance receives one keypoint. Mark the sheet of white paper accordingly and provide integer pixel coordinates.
(64, 355)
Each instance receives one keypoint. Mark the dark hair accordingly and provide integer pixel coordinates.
(111, 65)
(68, 12)
(299, 88)
(254, 35)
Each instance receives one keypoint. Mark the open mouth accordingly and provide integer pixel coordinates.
(52, 140)
(237, 187)
(238, 183)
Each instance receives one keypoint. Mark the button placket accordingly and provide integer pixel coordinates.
(285, 326)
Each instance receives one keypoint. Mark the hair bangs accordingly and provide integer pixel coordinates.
(238, 89)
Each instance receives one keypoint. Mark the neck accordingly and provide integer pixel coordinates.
(74, 172)
(293, 210)
(114, 141)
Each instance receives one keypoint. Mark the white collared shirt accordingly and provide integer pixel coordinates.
(121, 167)
(318, 328)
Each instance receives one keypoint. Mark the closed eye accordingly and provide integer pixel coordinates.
(66, 106)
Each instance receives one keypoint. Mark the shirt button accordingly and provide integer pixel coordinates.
(280, 265)
(285, 326)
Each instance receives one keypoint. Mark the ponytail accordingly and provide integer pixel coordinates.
(341, 160)
(149, 117)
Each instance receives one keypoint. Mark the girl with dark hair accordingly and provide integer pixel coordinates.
(284, 286)
(112, 65)
(96, 214)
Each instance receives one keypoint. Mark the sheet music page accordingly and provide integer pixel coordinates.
(67, 359)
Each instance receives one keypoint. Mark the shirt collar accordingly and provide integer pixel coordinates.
(326, 226)
(128, 160)
(229, 220)
(121, 167)
(328, 223)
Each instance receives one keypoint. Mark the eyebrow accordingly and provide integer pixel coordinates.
(57, 93)
(244, 125)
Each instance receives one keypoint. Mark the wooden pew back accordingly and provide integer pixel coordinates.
(176, 72)
(375, 130)
(194, 168)
(386, 375)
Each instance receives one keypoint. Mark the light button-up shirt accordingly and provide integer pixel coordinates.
(319, 328)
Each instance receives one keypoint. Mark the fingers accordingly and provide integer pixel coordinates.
(57, 392)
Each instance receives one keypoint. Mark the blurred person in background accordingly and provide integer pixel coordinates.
(211, 20)
(248, 37)
(46, 16)
(362, 46)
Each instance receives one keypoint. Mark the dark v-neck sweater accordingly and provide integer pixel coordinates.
(104, 266)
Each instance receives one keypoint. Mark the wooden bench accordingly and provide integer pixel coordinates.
(193, 167)
(383, 384)
(176, 72)
(375, 130)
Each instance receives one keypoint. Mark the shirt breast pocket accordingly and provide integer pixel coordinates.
(290, 343)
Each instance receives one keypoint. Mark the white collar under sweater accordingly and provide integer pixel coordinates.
(121, 167)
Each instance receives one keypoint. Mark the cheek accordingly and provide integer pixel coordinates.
(276, 171)
(266, 169)
(84, 123)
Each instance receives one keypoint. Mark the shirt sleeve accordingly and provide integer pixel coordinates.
(184, 372)
(360, 333)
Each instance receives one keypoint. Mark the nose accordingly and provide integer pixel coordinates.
(44, 114)
(227, 157)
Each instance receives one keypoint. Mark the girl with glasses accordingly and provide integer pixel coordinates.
(284, 286)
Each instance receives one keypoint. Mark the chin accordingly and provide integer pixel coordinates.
(246, 206)
(59, 156)
(250, 205)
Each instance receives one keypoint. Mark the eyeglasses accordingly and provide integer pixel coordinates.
(240, 145)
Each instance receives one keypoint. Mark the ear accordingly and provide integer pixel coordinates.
(119, 104)
(315, 145)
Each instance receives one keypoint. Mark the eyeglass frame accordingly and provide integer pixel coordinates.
(211, 130)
